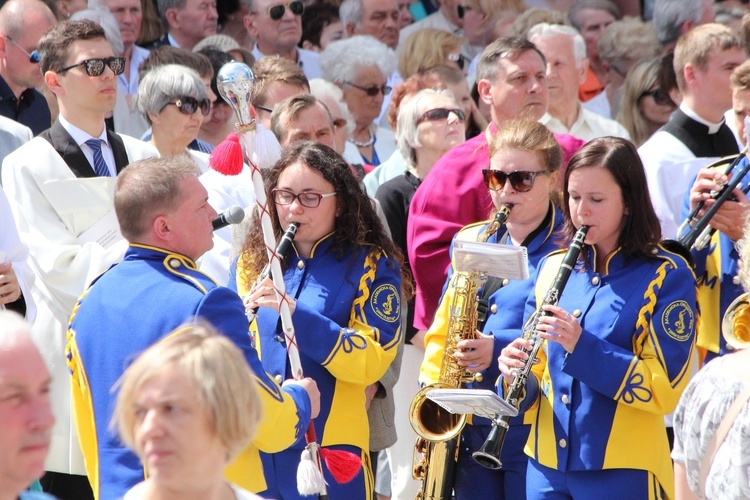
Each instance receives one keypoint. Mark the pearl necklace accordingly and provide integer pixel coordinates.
(365, 144)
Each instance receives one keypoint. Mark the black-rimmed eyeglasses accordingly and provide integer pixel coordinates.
(276, 12)
(95, 67)
(309, 200)
(189, 105)
(34, 56)
(372, 91)
(461, 60)
(521, 181)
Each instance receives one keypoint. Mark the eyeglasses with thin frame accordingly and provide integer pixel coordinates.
(95, 67)
(306, 199)
(372, 91)
(441, 114)
(461, 60)
(521, 181)
(189, 105)
(276, 12)
(34, 56)
(661, 98)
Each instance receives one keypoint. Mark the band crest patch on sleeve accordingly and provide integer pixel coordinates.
(385, 301)
(677, 320)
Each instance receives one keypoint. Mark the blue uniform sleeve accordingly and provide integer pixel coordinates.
(286, 413)
(652, 376)
(362, 352)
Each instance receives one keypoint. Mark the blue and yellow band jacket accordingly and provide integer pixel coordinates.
(716, 267)
(505, 316)
(347, 323)
(598, 406)
(132, 306)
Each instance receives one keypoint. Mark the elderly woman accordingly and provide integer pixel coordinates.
(430, 47)
(174, 100)
(360, 66)
(187, 406)
(645, 106)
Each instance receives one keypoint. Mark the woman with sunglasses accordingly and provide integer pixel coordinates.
(645, 106)
(524, 163)
(343, 278)
(617, 347)
(174, 101)
(361, 66)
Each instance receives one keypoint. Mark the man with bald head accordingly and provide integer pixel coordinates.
(22, 24)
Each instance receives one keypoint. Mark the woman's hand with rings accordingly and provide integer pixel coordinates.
(264, 295)
(559, 326)
(513, 357)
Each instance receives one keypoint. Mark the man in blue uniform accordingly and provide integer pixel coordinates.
(163, 212)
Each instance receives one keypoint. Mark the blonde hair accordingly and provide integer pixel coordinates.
(424, 49)
(696, 45)
(531, 136)
(628, 39)
(219, 374)
(740, 79)
(640, 79)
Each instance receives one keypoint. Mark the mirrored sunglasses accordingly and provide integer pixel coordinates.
(660, 96)
(34, 56)
(440, 114)
(306, 199)
(189, 105)
(276, 12)
(520, 180)
(95, 67)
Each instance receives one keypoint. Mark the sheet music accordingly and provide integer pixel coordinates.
(481, 402)
(502, 261)
(105, 232)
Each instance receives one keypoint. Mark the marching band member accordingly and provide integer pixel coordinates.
(343, 277)
(524, 163)
(618, 344)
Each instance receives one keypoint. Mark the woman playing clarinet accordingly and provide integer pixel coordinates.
(343, 283)
(617, 347)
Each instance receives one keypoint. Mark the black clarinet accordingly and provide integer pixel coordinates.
(281, 249)
(489, 454)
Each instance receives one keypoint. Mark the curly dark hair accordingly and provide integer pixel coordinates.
(356, 226)
(640, 230)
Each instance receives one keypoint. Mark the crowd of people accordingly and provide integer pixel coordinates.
(148, 353)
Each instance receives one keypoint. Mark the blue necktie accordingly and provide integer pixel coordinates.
(100, 166)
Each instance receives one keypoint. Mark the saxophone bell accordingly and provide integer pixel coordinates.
(735, 326)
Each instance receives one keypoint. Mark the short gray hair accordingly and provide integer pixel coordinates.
(341, 59)
(163, 85)
(164, 5)
(350, 12)
(407, 128)
(506, 47)
(542, 31)
(290, 108)
(323, 89)
(605, 5)
(670, 15)
(12, 328)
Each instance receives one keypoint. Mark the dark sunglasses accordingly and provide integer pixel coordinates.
(440, 114)
(519, 180)
(661, 98)
(459, 59)
(372, 91)
(33, 56)
(276, 12)
(189, 105)
(95, 67)
(461, 10)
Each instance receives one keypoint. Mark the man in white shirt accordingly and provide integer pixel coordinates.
(567, 66)
(696, 134)
(277, 29)
(60, 187)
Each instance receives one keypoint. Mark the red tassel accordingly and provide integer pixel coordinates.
(343, 465)
(227, 158)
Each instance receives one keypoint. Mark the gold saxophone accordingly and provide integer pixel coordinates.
(735, 326)
(437, 429)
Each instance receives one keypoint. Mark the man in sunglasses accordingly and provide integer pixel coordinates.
(697, 134)
(276, 26)
(565, 51)
(22, 24)
(60, 187)
(512, 81)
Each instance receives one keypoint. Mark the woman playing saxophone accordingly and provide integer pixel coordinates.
(524, 163)
(618, 343)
